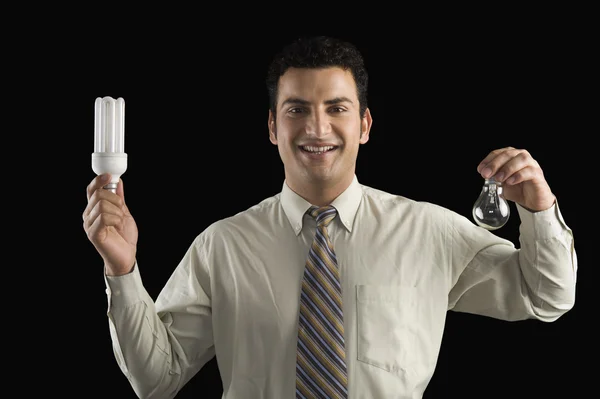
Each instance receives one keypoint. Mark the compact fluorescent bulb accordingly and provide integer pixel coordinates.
(109, 140)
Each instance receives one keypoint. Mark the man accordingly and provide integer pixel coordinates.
(329, 289)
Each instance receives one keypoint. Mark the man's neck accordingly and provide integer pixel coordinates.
(320, 193)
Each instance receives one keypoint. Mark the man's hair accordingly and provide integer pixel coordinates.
(318, 52)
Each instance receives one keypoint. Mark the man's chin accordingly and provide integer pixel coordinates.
(320, 177)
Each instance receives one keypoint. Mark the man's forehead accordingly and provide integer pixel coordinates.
(321, 75)
(317, 85)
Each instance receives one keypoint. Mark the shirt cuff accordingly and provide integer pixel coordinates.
(542, 225)
(125, 290)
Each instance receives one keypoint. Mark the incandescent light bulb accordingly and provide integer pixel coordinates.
(491, 210)
(109, 140)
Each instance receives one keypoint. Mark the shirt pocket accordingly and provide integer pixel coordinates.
(392, 331)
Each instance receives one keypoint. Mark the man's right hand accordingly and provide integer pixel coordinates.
(110, 226)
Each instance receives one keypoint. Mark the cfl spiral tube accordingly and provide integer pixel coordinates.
(109, 154)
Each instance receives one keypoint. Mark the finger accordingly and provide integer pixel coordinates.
(493, 167)
(490, 157)
(103, 208)
(521, 160)
(102, 195)
(524, 174)
(98, 182)
(96, 231)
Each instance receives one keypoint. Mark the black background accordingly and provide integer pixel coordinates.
(443, 93)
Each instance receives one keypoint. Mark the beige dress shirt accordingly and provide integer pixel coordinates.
(404, 264)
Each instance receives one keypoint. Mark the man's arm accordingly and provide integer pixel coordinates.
(495, 279)
(160, 347)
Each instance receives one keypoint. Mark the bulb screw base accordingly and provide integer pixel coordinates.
(111, 186)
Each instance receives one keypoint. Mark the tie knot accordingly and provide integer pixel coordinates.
(324, 215)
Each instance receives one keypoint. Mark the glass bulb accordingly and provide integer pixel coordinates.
(109, 154)
(491, 210)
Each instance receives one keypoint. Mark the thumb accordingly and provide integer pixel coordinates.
(121, 190)
(121, 193)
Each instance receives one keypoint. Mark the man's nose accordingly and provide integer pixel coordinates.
(318, 124)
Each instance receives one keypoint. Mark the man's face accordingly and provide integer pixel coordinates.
(318, 128)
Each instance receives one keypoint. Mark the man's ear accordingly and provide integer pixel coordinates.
(272, 128)
(365, 126)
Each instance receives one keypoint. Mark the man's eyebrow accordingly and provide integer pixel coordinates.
(300, 101)
(295, 101)
(338, 100)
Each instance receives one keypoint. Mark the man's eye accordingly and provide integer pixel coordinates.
(295, 110)
(338, 109)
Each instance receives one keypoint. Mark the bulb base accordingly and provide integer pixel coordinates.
(114, 163)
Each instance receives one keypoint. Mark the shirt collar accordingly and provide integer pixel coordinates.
(346, 204)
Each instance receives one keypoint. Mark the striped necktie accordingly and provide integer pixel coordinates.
(321, 365)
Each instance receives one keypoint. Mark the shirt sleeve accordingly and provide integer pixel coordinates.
(160, 345)
(492, 277)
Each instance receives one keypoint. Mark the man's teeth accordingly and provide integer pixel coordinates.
(317, 149)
